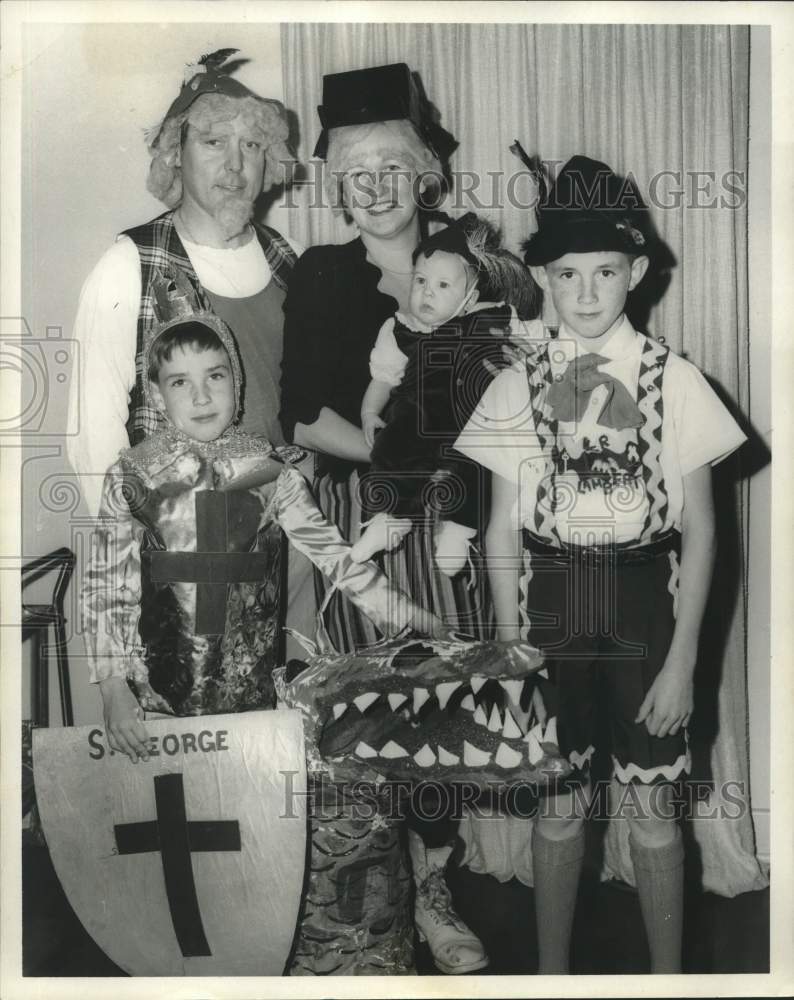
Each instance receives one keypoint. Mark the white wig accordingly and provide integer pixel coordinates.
(407, 143)
(267, 116)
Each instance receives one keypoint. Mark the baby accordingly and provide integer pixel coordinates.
(429, 368)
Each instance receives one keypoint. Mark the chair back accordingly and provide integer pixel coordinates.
(61, 559)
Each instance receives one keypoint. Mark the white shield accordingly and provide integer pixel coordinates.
(189, 864)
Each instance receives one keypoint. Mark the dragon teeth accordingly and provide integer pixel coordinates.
(495, 721)
(395, 700)
(513, 689)
(421, 695)
(480, 717)
(365, 750)
(473, 756)
(446, 758)
(536, 731)
(443, 692)
(363, 701)
(477, 682)
(425, 757)
(339, 709)
(550, 733)
(511, 729)
(468, 703)
(534, 749)
(507, 757)
(392, 749)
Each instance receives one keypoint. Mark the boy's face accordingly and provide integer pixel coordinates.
(589, 289)
(440, 288)
(196, 390)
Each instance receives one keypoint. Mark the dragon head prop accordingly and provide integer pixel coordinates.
(419, 709)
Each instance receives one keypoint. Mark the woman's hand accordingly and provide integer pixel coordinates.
(125, 730)
(370, 424)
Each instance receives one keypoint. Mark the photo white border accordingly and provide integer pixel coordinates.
(780, 17)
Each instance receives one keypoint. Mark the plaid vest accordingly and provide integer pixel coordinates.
(649, 438)
(160, 249)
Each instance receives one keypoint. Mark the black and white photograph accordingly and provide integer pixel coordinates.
(473, 320)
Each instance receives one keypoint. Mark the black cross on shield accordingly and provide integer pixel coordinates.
(176, 837)
(212, 567)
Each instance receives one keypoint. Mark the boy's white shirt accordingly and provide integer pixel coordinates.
(106, 328)
(697, 430)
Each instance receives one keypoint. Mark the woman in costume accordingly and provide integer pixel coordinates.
(383, 156)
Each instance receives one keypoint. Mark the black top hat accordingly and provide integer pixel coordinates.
(379, 94)
(588, 208)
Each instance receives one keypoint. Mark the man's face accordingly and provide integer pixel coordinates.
(223, 163)
(589, 290)
(196, 390)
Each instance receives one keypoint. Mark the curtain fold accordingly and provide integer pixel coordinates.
(667, 103)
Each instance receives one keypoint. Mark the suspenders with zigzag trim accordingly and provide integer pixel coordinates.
(649, 439)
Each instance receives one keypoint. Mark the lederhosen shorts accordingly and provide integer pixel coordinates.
(604, 617)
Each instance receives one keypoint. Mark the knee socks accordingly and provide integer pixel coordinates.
(556, 867)
(659, 872)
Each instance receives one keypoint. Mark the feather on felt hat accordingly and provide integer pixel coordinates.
(379, 94)
(211, 75)
(588, 208)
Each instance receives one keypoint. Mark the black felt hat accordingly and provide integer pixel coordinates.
(453, 238)
(588, 208)
(379, 94)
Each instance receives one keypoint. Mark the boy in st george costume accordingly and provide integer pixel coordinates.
(181, 595)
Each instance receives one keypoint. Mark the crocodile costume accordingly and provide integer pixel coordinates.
(410, 709)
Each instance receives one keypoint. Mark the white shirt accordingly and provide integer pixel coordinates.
(106, 329)
(697, 430)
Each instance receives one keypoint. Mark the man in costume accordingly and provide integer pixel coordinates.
(217, 148)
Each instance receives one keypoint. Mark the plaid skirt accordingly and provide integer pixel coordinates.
(463, 602)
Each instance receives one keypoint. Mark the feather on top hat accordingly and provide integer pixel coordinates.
(588, 208)
(379, 94)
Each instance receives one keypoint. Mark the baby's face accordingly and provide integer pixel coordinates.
(440, 288)
(196, 390)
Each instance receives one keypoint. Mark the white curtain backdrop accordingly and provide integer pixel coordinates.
(646, 99)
